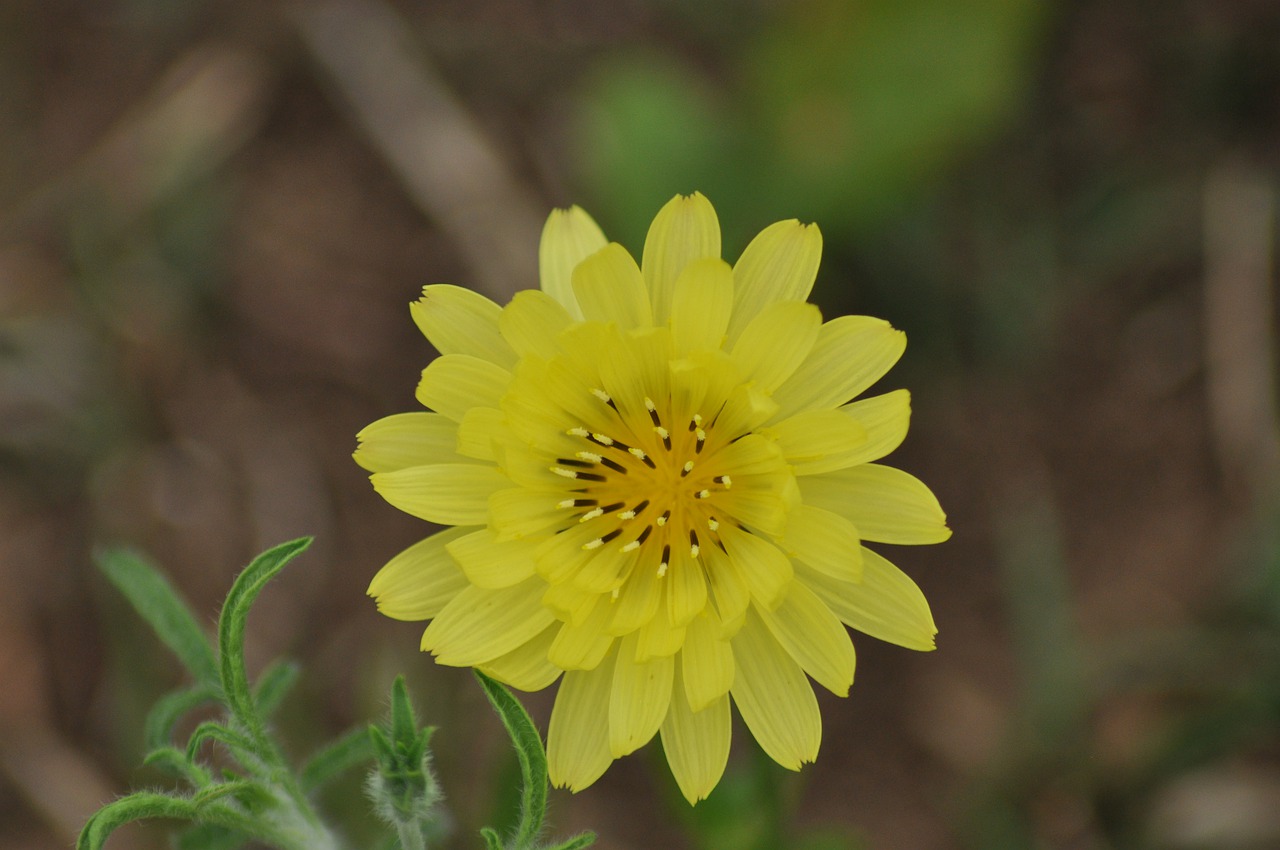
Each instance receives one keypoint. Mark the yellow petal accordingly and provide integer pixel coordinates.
(407, 439)
(696, 744)
(706, 663)
(526, 667)
(774, 697)
(851, 354)
(610, 288)
(659, 636)
(729, 589)
(458, 321)
(455, 383)
(418, 582)
(777, 342)
(780, 264)
(814, 637)
(578, 737)
(686, 587)
(767, 571)
(583, 645)
(492, 563)
(825, 541)
(479, 625)
(531, 321)
(481, 429)
(517, 512)
(701, 305)
(886, 604)
(884, 418)
(568, 238)
(445, 493)
(815, 441)
(637, 601)
(633, 368)
(684, 230)
(639, 699)
(886, 504)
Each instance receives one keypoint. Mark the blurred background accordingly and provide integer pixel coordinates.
(213, 216)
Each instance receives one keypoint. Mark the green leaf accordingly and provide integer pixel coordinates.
(231, 628)
(174, 762)
(169, 709)
(586, 839)
(139, 806)
(240, 746)
(158, 603)
(532, 757)
(352, 749)
(274, 685)
(492, 841)
(210, 837)
(251, 793)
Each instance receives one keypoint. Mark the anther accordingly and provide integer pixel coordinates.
(688, 467)
(627, 515)
(666, 559)
(713, 523)
(591, 457)
(599, 438)
(576, 503)
(602, 395)
(693, 544)
(725, 480)
(640, 453)
(591, 514)
(703, 494)
(663, 433)
(594, 544)
(567, 473)
(662, 520)
(578, 432)
(632, 546)
(702, 438)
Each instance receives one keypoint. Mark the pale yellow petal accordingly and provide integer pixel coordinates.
(815, 441)
(418, 582)
(686, 587)
(531, 321)
(459, 321)
(697, 744)
(492, 563)
(480, 625)
(634, 368)
(637, 601)
(774, 697)
(480, 431)
(706, 663)
(578, 737)
(780, 264)
(584, 644)
(639, 700)
(766, 569)
(886, 504)
(609, 288)
(446, 493)
(407, 439)
(729, 590)
(659, 636)
(777, 343)
(825, 541)
(701, 305)
(851, 354)
(526, 667)
(886, 604)
(814, 637)
(684, 230)
(884, 418)
(455, 383)
(517, 512)
(569, 237)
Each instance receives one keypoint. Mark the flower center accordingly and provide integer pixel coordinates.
(650, 484)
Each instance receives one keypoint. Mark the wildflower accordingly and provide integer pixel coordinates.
(660, 489)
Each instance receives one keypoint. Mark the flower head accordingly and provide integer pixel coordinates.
(660, 488)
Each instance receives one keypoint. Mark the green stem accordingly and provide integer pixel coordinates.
(410, 835)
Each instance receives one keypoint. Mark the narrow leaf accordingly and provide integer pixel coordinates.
(211, 730)
(159, 604)
(247, 791)
(352, 749)
(169, 709)
(139, 806)
(531, 755)
(210, 837)
(274, 685)
(586, 839)
(231, 627)
(174, 762)
(492, 841)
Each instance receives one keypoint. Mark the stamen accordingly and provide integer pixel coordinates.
(666, 559)
(644, 535)
(613, 594)
(697, 419)
(702, 438)
(611, 508)
(567, 503)
(601, 439)
(663, 433)
(591, 514)
(632, 546)
(614, 465)
(713, 523)
(568, 461)
(693, 544)
(627, 515)
(725, 480)
(594, 544)
(702, 494)
(567, 473)
(640, 507)
(688, 467)
(578, 432)
(602, 395)
(662, 520)
(591, 457)
(611, 535)
(576, 503)
(640, 453)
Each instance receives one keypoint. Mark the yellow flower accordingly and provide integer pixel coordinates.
(660, 489)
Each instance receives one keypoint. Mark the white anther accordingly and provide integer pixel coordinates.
(649, 405)
(632, 546)
(662, 569)
(566, 473)
(592, 514)
(594, 544)
(578, 432)
(703, 494)
(697, 419)
(567, 503)
(694, 550)
(713, 523)
(726, 481)
(662, 520)
(590, 457)
(662, 432)
(701, 435)
(602, 395)
(638, 453)
(688, 467)
(601, 438)
(627, 515)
